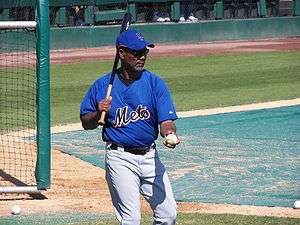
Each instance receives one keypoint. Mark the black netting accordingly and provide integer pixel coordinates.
(17, 107)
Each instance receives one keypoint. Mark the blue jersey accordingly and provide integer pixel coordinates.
(136, 109)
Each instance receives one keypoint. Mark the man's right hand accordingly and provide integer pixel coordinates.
(104, 104)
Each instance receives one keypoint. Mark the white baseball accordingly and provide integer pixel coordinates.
(16, 210)
(173, 138)
(297, 204)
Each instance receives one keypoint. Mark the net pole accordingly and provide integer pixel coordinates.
(43, 97)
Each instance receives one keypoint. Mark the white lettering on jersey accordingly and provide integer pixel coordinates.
(121, 118)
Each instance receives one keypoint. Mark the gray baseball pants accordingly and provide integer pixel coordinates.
(129, 176)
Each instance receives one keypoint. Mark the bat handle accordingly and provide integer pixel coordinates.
(101, 121)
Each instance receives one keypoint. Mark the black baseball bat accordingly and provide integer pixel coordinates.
(125, 26)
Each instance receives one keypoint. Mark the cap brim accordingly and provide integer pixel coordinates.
(150, 45)
(137, 48)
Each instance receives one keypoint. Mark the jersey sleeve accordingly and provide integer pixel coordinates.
(164, 103)
(92, 97)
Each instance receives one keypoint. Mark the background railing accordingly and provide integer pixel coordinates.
(101, 12)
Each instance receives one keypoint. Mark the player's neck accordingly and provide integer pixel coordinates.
(124, 76)
(127, 77)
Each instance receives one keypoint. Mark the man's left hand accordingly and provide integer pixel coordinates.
(171, 140)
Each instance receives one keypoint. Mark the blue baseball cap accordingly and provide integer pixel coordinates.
(133, 40)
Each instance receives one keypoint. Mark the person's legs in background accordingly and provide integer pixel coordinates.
(160, 13)
(187, 12)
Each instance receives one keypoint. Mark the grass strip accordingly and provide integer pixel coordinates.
(196, 82)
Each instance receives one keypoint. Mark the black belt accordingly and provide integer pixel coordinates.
(134, 150)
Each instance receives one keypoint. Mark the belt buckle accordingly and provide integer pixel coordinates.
(137, 151)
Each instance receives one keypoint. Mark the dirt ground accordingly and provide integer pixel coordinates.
(78, 186)
(188, 49)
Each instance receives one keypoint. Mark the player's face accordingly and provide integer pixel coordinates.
(136, 59)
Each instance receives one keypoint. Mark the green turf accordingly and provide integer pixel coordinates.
(195, 82)
(182, 219)
(55, 218)
(211, 219)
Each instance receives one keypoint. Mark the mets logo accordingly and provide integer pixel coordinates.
(139, 36)
(122, 117)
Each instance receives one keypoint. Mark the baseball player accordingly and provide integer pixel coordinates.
(140, 106)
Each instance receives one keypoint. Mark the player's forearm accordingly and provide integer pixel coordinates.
(90, 120)
(167, 127)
